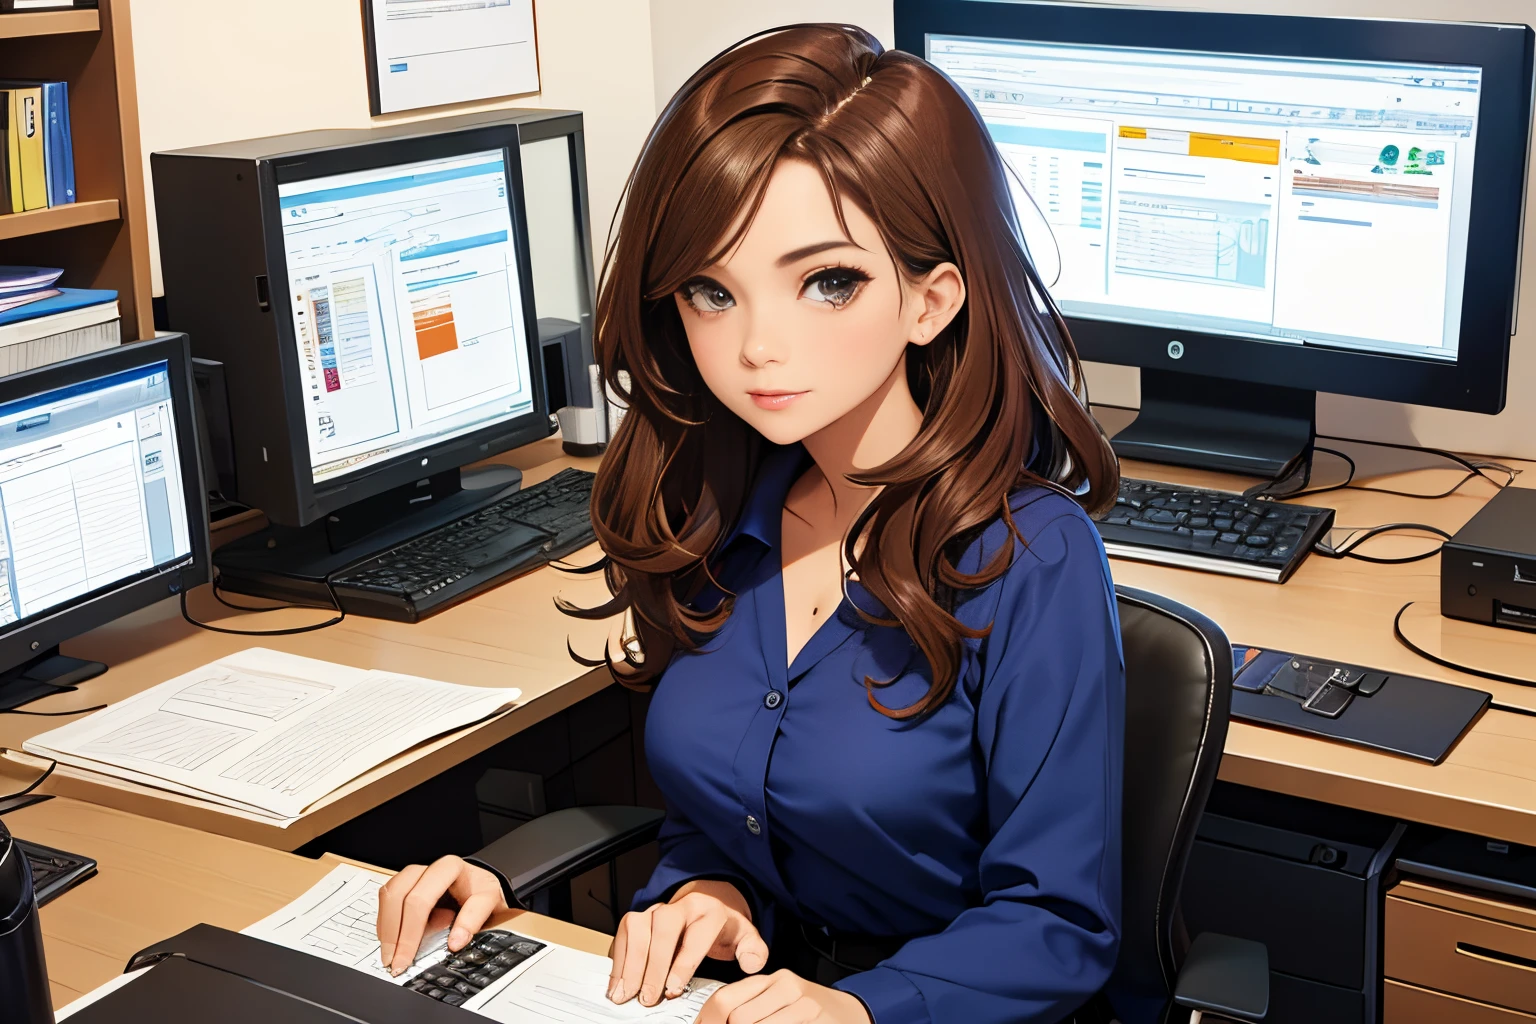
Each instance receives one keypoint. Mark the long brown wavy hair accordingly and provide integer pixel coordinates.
(1000, 389)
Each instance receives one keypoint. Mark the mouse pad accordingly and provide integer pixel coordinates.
(1409, 716)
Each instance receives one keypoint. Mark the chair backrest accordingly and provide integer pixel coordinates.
(1178, 692)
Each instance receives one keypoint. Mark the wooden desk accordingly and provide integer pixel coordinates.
(1344, 610)
(510, 636)
(155, 880)
(514, 635)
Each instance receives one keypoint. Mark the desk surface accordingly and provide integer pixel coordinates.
(155, 880)
(510, 636)
(1343, 610)
(513, 634)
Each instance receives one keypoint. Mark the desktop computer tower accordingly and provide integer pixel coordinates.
(226, 280)
(1305, 879)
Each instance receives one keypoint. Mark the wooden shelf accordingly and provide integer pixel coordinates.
(48, 23)
(56, 218)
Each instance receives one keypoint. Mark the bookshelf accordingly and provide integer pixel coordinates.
(102, 240)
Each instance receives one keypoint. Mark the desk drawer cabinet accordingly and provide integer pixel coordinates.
(1451, 956)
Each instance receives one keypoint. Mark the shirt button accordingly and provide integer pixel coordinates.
(753, 826)
(773, 700)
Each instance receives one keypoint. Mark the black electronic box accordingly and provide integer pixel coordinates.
(1488, 570)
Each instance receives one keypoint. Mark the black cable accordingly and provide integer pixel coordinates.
(330, 590)
(50, 714)
(1397, 631)
(1359, 535)
(52, 764)
(218, 595)
(1478, 468)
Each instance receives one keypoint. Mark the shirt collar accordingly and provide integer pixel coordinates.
(762, 517)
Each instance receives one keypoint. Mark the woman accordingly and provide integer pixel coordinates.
(846, 518)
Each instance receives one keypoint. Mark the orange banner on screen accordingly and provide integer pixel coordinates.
(436, 333)
(1222, 147)
(1235, 147)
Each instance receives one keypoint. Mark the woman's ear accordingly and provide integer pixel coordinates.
(939, 294)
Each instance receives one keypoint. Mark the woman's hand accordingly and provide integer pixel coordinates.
(657, 950)
(782, 997)
(409, 906)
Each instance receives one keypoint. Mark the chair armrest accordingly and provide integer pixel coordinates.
(558, 846)
(1225, 975)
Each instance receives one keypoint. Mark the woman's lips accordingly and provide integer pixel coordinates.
(776, 399)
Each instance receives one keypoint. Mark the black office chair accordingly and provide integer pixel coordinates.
(1178, 691)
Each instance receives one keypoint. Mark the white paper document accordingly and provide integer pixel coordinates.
(265, 733)
(429, 52)
(556, 985)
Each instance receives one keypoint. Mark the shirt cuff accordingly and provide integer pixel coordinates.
(888, 996)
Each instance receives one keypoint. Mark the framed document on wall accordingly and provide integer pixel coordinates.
(424, 53)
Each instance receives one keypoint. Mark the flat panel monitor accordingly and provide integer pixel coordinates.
(407, 308)
(101, 502)
(1243, 202)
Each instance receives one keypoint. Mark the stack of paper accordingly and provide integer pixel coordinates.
(265, 734)
(335, 920)
(557, 985)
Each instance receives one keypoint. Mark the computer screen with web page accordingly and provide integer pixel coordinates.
(407, 304)
(1303, 201)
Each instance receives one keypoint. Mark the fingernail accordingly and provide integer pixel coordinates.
(674, 988)
(619, 995)
(613, 991)
(395, 971)
(457, 938)
(648, 996)
(751, 962)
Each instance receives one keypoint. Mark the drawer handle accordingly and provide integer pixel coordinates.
(1495, 956)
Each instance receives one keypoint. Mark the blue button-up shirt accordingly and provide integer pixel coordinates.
(990, 826)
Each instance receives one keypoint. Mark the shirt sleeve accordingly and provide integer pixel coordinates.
(1043, 936)
(688, 855)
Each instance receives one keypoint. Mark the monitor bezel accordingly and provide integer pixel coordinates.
(315, 500)
(20, 643)
(1476, 381)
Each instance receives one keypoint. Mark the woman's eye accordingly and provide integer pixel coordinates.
(836, 287)
(707, 297)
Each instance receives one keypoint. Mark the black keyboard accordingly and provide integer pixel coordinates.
(487, 957)
(426, 573)
(1216, 531)
(54, 872)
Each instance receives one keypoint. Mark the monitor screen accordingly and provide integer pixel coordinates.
(91, 492)
(407, 307)
(1291, 200)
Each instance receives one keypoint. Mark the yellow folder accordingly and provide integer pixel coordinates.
(27, 135)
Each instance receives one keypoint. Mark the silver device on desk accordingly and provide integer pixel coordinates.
(1253, 209)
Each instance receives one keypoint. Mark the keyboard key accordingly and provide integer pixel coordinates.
(453, 998)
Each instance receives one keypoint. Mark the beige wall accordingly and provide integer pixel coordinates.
(215, 70)
(211, 70)
(686, 33)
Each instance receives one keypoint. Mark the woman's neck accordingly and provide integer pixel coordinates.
(871, 434)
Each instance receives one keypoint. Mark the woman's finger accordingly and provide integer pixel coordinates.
(699, 937)
(637, 944)
(418, 906)
(717, 1010)
(391, 899)
(477, 910)
(782, 991)
(666, 928)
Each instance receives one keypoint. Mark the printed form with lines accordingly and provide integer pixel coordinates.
(265, 734)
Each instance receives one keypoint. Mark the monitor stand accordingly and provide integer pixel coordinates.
(46, 674)
(292, 564)
(1225, 425)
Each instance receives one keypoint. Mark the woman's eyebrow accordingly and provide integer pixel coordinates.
(801, 253)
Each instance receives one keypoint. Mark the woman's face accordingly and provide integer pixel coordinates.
(799, 324)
